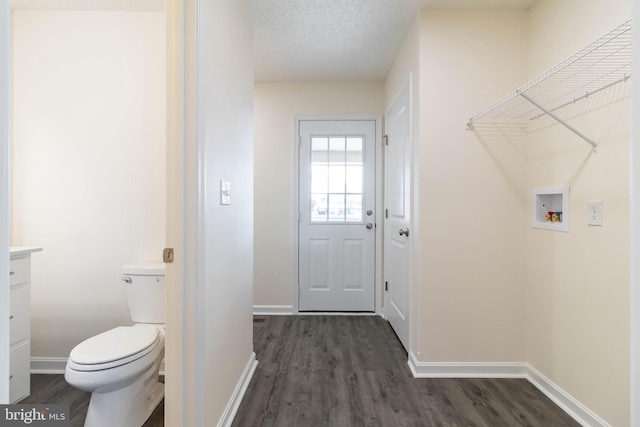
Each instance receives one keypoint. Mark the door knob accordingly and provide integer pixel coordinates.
(369, 226)
(404, 232)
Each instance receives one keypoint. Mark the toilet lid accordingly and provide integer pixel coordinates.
(114, 344)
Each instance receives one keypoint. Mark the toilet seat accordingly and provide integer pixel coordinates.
(114, 348)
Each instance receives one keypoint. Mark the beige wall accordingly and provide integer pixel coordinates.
(471, 195)
(635, 226)
(276, 105)
(578, 282)
(88, 163)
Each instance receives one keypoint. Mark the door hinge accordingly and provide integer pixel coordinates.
(386, 286)
(386, 213)
(386, 139)
(168, 255)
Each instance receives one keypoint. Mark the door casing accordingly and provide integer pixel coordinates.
(378, 204)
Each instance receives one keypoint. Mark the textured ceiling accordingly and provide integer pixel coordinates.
(339, 40)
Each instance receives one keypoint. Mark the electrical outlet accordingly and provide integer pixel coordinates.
(594, 212)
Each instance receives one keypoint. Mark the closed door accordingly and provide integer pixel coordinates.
(398, 208)
(337, 215)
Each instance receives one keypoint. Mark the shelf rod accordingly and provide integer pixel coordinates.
(586, 95)
(562, 122)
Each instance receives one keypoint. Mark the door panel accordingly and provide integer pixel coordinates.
(398, 207)
(337, 190)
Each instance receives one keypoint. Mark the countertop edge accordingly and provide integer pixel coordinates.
(22, 250)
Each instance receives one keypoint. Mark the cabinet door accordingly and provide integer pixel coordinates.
(19, 380)
(19, 314)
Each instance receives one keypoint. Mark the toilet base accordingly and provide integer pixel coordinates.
(130, 406)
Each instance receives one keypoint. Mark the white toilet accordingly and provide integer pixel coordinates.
(120, 367)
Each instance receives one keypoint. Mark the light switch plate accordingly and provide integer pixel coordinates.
(225, 192)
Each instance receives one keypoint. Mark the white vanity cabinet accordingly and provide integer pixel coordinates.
(20, 322)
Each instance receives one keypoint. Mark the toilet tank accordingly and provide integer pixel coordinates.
(144, 284)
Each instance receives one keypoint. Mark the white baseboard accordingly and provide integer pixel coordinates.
(465, 370)
(234, 403)
(564, 400)
(48, 365)
(57, 365)
(272, 310)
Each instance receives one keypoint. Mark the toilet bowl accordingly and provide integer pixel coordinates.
(120, 367)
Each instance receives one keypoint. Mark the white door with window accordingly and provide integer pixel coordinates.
(337, 215)
(397, 205)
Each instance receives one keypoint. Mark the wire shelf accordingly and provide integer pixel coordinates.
(602, 64)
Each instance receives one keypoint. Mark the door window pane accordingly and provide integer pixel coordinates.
(319, 178)
(337, 178)
(336, 207)
(353, 209)
(319, 208)
(319, 148)
(354, 179)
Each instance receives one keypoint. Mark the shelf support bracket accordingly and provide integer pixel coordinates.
(562, 122)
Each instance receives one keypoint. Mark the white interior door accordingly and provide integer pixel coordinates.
(337, 215)
(397, 216)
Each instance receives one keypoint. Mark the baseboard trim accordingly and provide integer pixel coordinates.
(236, 398)
(48, 365)
(465, 370)
(272, 310)
(57, 365)
(564, 400)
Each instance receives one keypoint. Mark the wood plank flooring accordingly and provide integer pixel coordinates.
(347, 371)
(54, 389)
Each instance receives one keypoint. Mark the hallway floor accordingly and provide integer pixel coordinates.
(347, 371)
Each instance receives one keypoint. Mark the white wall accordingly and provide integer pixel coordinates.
(88, 163)
(224, 137)
(4, 200)
(578, 282)
(276, 104)
(471, 195)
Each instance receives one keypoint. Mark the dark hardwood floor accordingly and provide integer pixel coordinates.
(54, 389)
(347, 371)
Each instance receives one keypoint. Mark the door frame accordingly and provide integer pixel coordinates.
(378, 204)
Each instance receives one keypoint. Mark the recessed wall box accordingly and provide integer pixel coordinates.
(551, 208)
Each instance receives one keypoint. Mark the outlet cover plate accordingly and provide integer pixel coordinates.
(594, 212)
